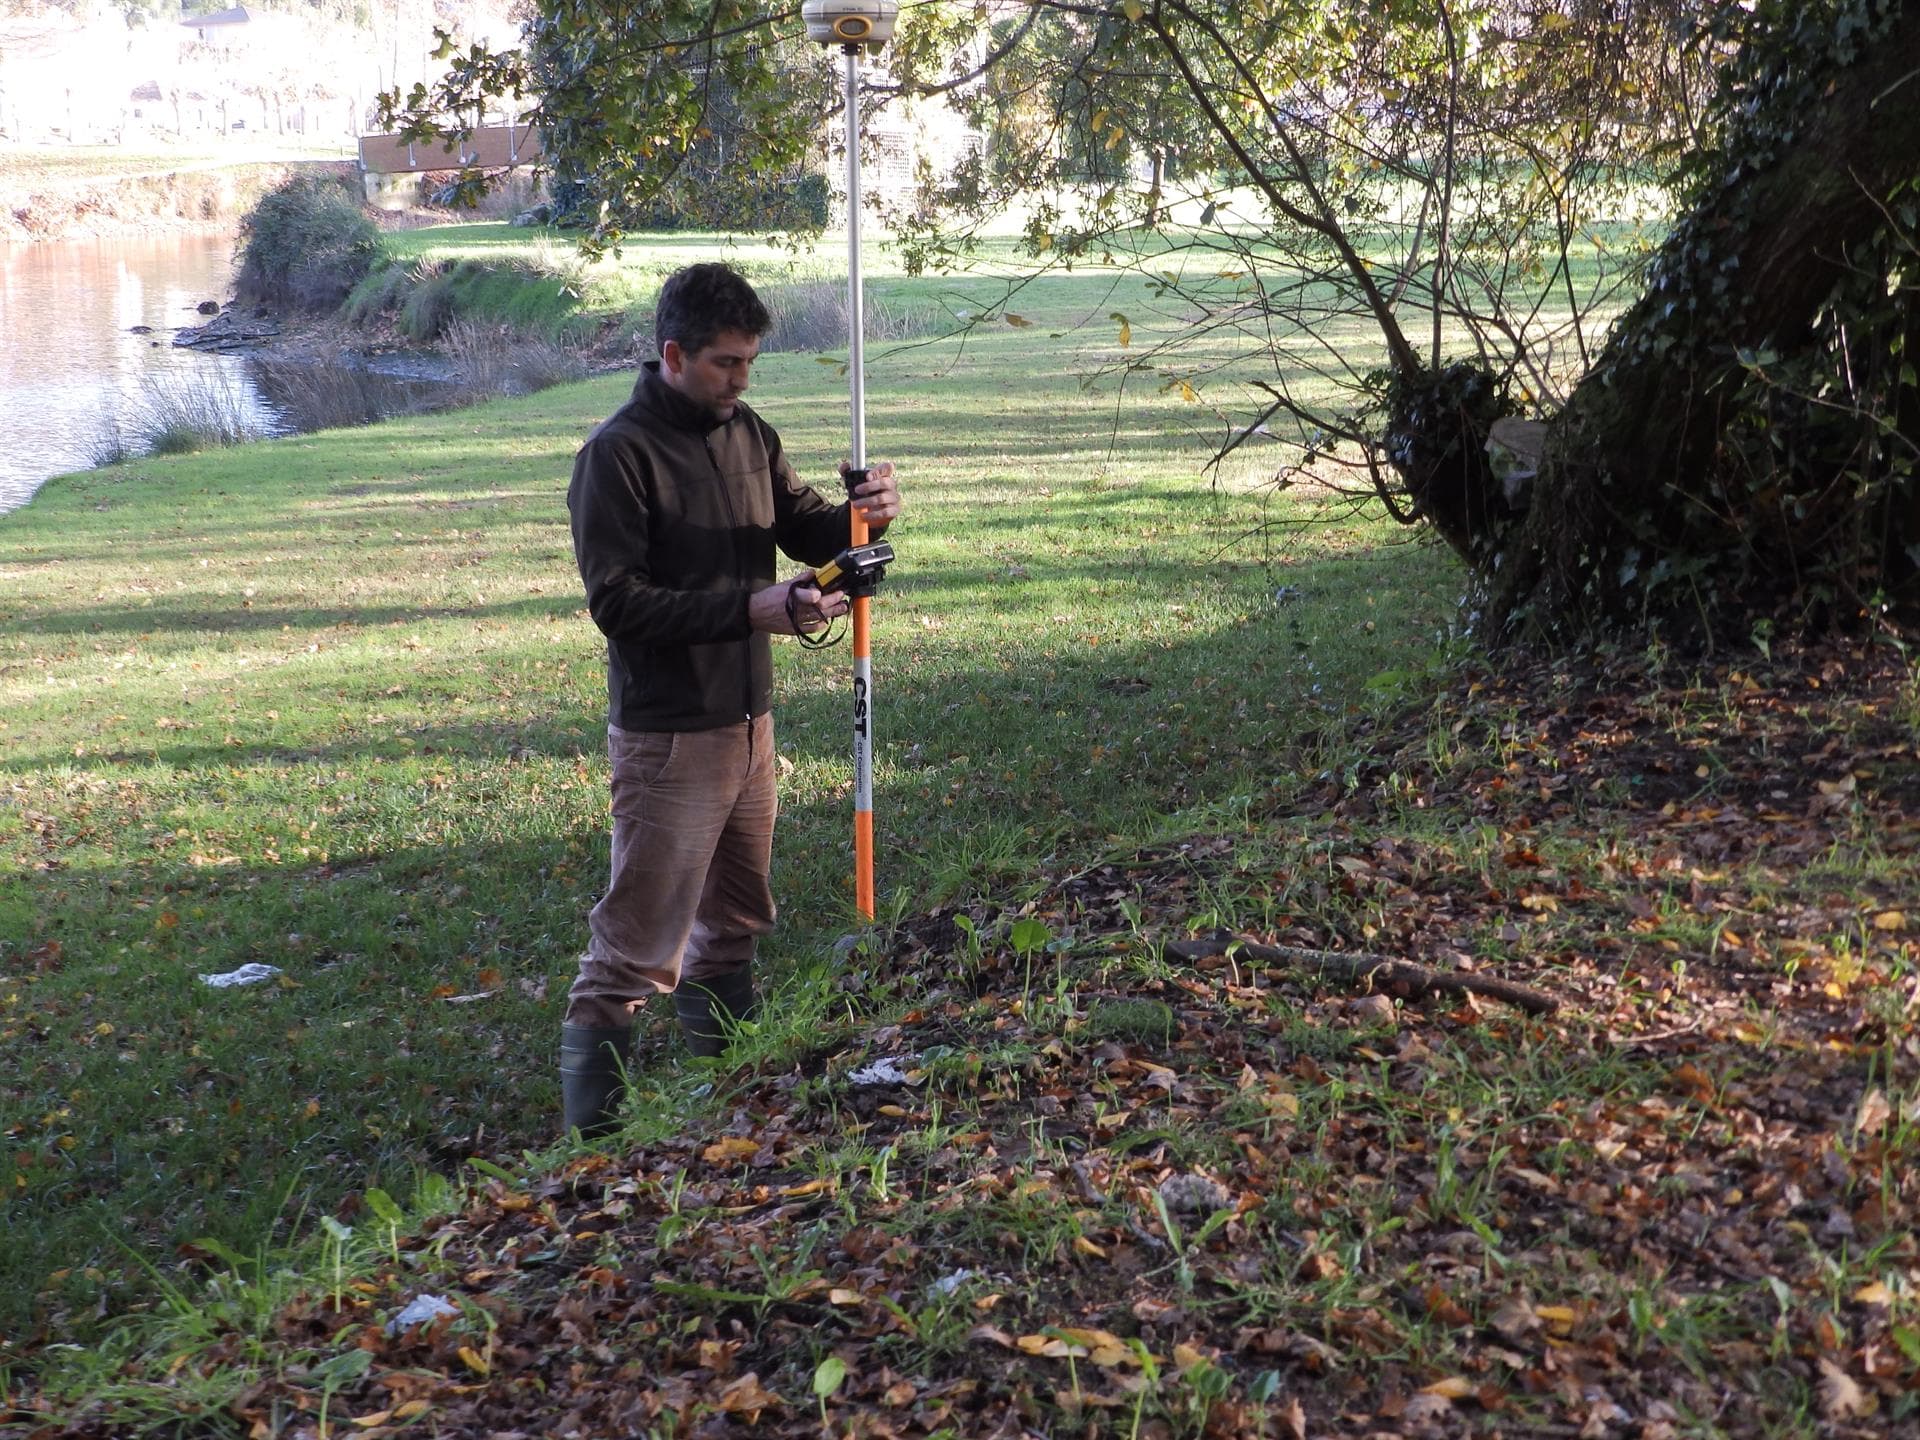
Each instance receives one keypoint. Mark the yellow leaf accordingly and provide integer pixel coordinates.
(1019, 322)
(1044, 1345)
(1283, 1102)
(1874, 1293)
(840, 1296)
(734, 1147)
(379, 1417)
(1087, 1247)
(1454, 1387)
(475, 1361)
(1561, 1318)
(411, 1409)
(1092, 1339)
(810, 1187)
(1890, 920)
(1104, 1348)
(1133, 9)
(1185, 1356)
(1126, 330)
(1187, 392)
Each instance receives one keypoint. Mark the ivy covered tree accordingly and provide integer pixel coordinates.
(1387, 229)
(1748, 438)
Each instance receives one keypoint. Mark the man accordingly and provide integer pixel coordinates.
(678, 502)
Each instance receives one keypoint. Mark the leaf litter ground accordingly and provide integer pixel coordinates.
(1044, 1181)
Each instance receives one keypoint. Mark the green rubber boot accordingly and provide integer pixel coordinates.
(709, 1009)
(593, 1077)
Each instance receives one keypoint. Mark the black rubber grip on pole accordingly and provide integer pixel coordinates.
(855, 479)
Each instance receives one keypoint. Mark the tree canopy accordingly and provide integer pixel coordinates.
(1397, 225)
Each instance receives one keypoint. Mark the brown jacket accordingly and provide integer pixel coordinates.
(675, 518)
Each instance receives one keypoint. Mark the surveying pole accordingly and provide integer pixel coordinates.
(856, 25)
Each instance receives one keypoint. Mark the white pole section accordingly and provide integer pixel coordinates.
(856, 304)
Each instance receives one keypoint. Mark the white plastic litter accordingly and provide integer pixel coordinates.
(419, 1310)
(947, 1284)
(252, 973)
(892, 1070)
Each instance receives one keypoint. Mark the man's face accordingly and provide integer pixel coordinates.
(715, 377)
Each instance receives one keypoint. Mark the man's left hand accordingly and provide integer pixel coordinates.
(878, 499)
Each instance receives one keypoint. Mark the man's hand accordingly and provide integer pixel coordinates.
(768, 609)
(878, 500)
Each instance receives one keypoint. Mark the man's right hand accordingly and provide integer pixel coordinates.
(768, 610)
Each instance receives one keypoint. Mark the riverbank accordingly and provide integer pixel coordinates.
(62, 195)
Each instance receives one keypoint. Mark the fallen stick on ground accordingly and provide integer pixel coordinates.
(1411, 980)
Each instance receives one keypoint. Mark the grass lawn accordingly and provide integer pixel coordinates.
(331, 703)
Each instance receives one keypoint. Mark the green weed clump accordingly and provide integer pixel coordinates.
(1132, 1021)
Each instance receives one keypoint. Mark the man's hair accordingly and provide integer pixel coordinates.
(700, 301)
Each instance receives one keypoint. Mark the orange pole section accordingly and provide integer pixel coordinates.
(863, 740)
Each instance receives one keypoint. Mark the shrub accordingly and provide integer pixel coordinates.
(306, 244)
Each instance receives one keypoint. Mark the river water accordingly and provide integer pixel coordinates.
(73, 366)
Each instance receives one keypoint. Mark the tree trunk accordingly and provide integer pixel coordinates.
(1704, 458)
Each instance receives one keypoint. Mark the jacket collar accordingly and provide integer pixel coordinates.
(652, 393)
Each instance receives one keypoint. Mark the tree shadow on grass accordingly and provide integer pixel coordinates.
(192, 616)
